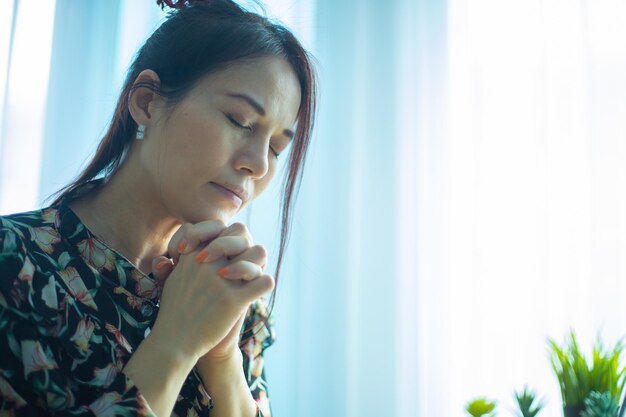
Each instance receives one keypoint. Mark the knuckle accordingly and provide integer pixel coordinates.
(212, 226)
(258, 270)
(259, 250)
(254, 270)
(248, 274)
(199, 232)
(238, 228)
(243, 267)
(243, 241)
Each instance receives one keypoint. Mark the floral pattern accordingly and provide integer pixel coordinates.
(72, 311)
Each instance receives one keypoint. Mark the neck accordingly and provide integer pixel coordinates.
(127, 218)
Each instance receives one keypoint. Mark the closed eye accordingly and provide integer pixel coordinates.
(237, 124)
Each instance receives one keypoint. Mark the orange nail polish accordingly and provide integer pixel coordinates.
(223, 272)
(201, 256)
(162, 264)
(181, 246)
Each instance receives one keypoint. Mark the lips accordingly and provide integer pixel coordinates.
(234, 191)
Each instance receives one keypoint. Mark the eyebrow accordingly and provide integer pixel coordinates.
(258, 108)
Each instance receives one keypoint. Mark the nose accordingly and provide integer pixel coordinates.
(253, 157)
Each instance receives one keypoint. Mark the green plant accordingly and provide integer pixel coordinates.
(600, 405)
(577, 379)
(481, 407)
(526, 403)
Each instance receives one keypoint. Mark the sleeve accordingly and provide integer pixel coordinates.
(32, 382)
(258, 337)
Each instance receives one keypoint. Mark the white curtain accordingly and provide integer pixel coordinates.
(462, 202)
(536, 189)
(25, 47)
(61, 67)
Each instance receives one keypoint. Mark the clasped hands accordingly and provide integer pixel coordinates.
(214, 274)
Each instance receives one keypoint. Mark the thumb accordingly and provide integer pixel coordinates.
(162, 267)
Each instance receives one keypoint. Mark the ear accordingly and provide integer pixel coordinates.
(142, 100)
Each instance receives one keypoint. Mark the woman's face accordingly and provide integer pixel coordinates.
(216, 150)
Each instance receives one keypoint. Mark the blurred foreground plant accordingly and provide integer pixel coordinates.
(527, 403)
(481, 407)
(600, 405)
(577, 379)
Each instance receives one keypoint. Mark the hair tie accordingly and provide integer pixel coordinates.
(179, 4)
(172, 4)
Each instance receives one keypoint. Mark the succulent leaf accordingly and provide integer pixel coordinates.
(481, 407)
(600, 405)
(527, 403)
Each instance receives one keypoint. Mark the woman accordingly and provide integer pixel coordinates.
(129, 295)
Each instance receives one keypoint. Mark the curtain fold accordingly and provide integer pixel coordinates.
(361, 340)
(82, 76)
(26, 62)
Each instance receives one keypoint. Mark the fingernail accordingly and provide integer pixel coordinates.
(162, 264)
(181, 247)
(224, 272)
(201, 256)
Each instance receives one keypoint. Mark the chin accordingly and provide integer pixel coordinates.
(222, 215)
(208, 209)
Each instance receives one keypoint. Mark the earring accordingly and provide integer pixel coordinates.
(141, 129)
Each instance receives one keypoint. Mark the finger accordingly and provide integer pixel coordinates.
(238, 229)
(255, 288)
(256, 254)
(162, 267)
(201, 233)
(222, 246)
(190, 236)
(176, 239)
(241, 270)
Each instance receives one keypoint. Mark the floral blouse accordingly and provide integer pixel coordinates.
(72, 312)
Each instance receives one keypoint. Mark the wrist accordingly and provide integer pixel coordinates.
(220, 371)
(224, 380)
(173, 346)
(172, 352)
(160, 385)
(234, 358)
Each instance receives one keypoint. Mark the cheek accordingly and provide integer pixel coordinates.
(196, 130)
(198, 142)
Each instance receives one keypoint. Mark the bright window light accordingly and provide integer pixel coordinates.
(24, 115)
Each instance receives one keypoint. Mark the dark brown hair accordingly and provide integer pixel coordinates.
(197, 38)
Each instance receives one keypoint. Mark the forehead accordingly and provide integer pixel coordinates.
(269, 80)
